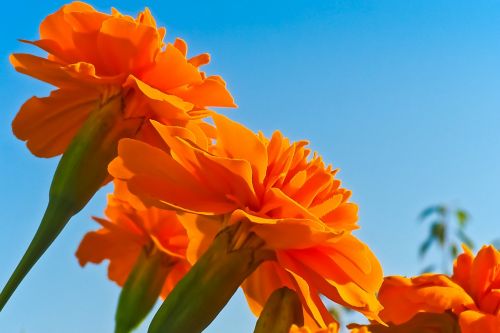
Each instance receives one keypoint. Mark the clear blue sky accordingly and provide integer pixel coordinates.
(403, 96)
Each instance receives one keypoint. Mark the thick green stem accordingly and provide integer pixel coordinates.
(142, 289)
(282, 310)
(80, 173)
(199, 297)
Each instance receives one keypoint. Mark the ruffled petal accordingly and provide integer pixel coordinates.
(331, 280)
(153, 174)
(402, 298)
(268, 277)
(126, 47)
(49, 124)
(100, 245)
(171, 70)
(211, 92)
(168, 109)
(201, 231)
(477, 322)
(485, 272)
(225, 177)
(300, 233)
(238, 142)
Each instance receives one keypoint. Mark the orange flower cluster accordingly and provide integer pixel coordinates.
(186, 187)
(93, 57)
(472, 293)
(130, 228)
(295, 205)
(290, 202)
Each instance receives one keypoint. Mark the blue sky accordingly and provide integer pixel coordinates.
(402, 96)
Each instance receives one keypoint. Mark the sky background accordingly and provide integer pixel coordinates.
(402, 96)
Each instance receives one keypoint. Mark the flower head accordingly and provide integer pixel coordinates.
(471, 293)
(131, 228)
(93, 56)
(294, 204)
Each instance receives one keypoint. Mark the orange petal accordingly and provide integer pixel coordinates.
(237, 141)
(201, 231)
(356, 260)
(224, 177)
(171, 70)
(78, 75)
(42, 69)
(165, 107)
(343, 217)
(55, 27)
(277, 203)
(462, 268)
(49, 124)
(315, 310)
(300, 233)
(100, 245)
(268, 277)
(181, 45)
(485, 271)
(474, 322)
(341, 289)
(125, 46)
(174, 276)
(200, 60)
(210, 92)
(402, 298)
(152, 173)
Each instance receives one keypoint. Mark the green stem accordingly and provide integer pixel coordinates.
(80, 173)
(282, 310)
(199, 297)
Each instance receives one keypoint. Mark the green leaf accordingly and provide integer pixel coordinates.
(438, 209)
(282, 310)
(453, 250)
(462, 217)
(438, 231)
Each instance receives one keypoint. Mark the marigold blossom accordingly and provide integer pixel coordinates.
(131, 228)
(472, 293)
(292, 202)
(92, 57)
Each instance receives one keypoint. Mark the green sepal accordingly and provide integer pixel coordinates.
(81, 171)
(282, 310)
(199, 297)
(142, 288)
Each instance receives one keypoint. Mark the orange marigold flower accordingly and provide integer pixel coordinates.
(292, 202)
(472, 293)
(94, 56)
(131, 228)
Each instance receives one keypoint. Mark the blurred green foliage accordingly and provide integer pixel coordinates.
(446, 231)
